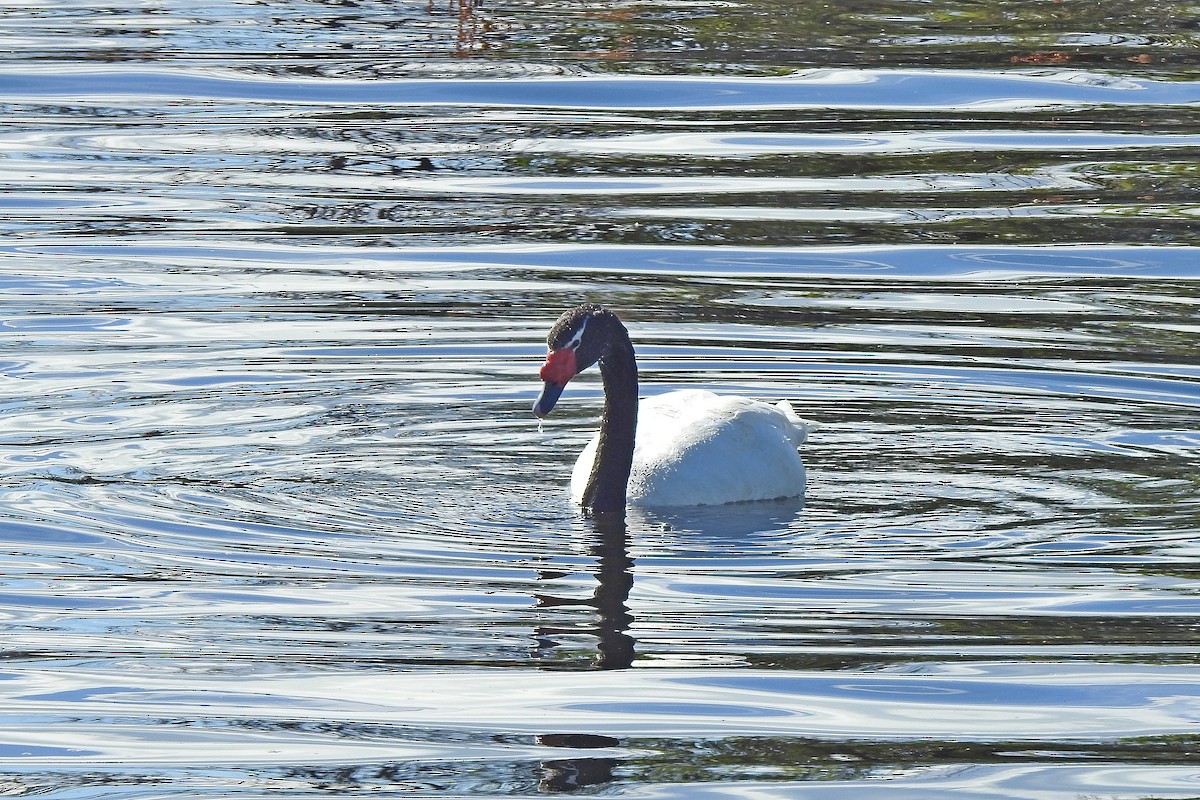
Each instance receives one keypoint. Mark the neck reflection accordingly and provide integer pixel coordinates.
(614, 578)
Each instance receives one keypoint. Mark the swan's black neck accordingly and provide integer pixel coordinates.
(605, 490)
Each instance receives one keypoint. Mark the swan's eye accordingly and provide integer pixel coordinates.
(577, 339)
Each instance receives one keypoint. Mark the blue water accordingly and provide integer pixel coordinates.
(276, 281)
(824, 89)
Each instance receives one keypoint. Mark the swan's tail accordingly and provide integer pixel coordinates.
(803, 426)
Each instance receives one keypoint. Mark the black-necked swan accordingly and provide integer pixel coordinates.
(683, 448)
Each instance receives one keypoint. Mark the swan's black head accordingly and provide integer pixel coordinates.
(580, 338)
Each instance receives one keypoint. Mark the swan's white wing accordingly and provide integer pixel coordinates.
(698, 448)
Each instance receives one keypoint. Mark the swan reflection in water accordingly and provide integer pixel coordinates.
(614, 650)
(614, 579)
(572, 774)
(741, 529)
(704, 532)
(708, 528)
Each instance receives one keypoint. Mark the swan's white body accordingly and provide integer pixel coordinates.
(697, 448)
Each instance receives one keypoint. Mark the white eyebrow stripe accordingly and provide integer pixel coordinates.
(578, 337)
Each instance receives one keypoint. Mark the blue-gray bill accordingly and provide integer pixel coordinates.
(545, 402)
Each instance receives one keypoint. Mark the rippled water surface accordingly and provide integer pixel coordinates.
(276, 279)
